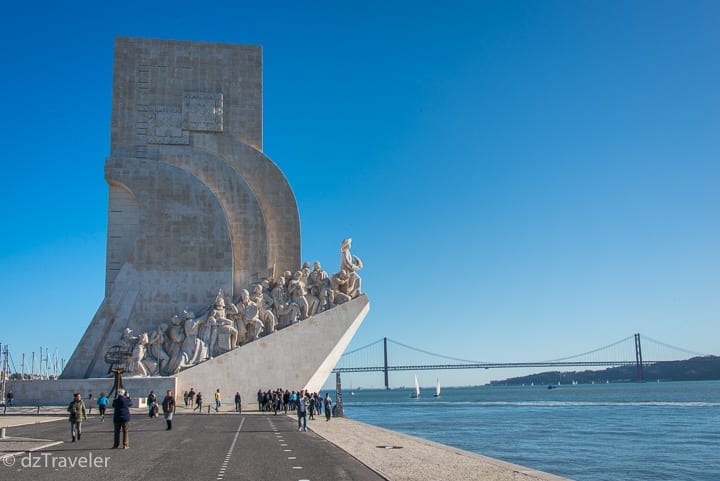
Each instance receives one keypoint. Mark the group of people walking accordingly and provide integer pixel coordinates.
(305, 404)
(121, 413)
(286, 400)
(195, 400)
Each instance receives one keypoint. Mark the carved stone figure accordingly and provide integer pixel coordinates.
(193, 348)
(251, 316)
(264, 302)
(339, 284)
(223, 333)
(319, 287)
(156, 350)
(350, 264)
(136, 366)
(286, 311)
(128, 341)
(176, 337)
(305, 269)
(227, 336)
(297, 292)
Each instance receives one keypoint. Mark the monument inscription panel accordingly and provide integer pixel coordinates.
(203, 111)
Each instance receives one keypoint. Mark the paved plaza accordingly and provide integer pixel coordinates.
(251, 446)
(199, 447)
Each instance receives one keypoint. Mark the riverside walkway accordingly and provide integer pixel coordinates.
(228, 446)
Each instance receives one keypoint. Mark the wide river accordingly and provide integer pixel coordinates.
(599, 432)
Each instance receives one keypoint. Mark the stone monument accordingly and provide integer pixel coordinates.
(203, 272)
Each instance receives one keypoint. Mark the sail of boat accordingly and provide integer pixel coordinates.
(416, 394)
(437, 387)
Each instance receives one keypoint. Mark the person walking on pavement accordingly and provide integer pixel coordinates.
(198, 402)
(121, 418)
(152, 405)
(217, 401)
(238, 402)
(302, 411)
(102, 403)
(168, 407)
(310, 405)
(328, 406)
(76, 408)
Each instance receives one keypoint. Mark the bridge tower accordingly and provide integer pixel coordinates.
(638, 359)
(385, 365)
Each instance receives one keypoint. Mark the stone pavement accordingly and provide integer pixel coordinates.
(247, 447)
(268, 447)
(14, 445)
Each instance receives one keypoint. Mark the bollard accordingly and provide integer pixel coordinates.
(2, 433)
(337, 411)
(208, 409)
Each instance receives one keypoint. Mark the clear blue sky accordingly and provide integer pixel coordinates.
(523, 180)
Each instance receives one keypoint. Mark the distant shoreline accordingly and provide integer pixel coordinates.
(703, 368)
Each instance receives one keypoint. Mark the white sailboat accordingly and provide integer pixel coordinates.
(437, 388)
(416, 394)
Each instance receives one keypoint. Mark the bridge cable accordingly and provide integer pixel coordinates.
(593, 351)
(435, 354)
(361, 348)
(669, 346)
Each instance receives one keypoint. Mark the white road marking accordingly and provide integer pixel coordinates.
(224, 465)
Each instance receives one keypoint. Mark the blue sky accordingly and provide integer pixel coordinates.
(523, 180)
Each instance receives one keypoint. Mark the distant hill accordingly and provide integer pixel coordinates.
(704, 368)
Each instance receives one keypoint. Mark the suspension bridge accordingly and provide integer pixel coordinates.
(386, 355)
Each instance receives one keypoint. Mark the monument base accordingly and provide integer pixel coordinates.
(300, 356)
(60, 392)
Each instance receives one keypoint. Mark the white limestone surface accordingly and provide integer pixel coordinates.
(60, 392)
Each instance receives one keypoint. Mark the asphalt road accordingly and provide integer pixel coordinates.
(215, 447)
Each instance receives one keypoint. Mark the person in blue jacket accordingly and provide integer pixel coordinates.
(102, 403)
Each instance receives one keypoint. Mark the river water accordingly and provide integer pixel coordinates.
(596, 432)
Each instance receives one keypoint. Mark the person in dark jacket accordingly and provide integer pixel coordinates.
(152, 405)
(238, 402)
(198, 403)
(168, 407)
(121, 418)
